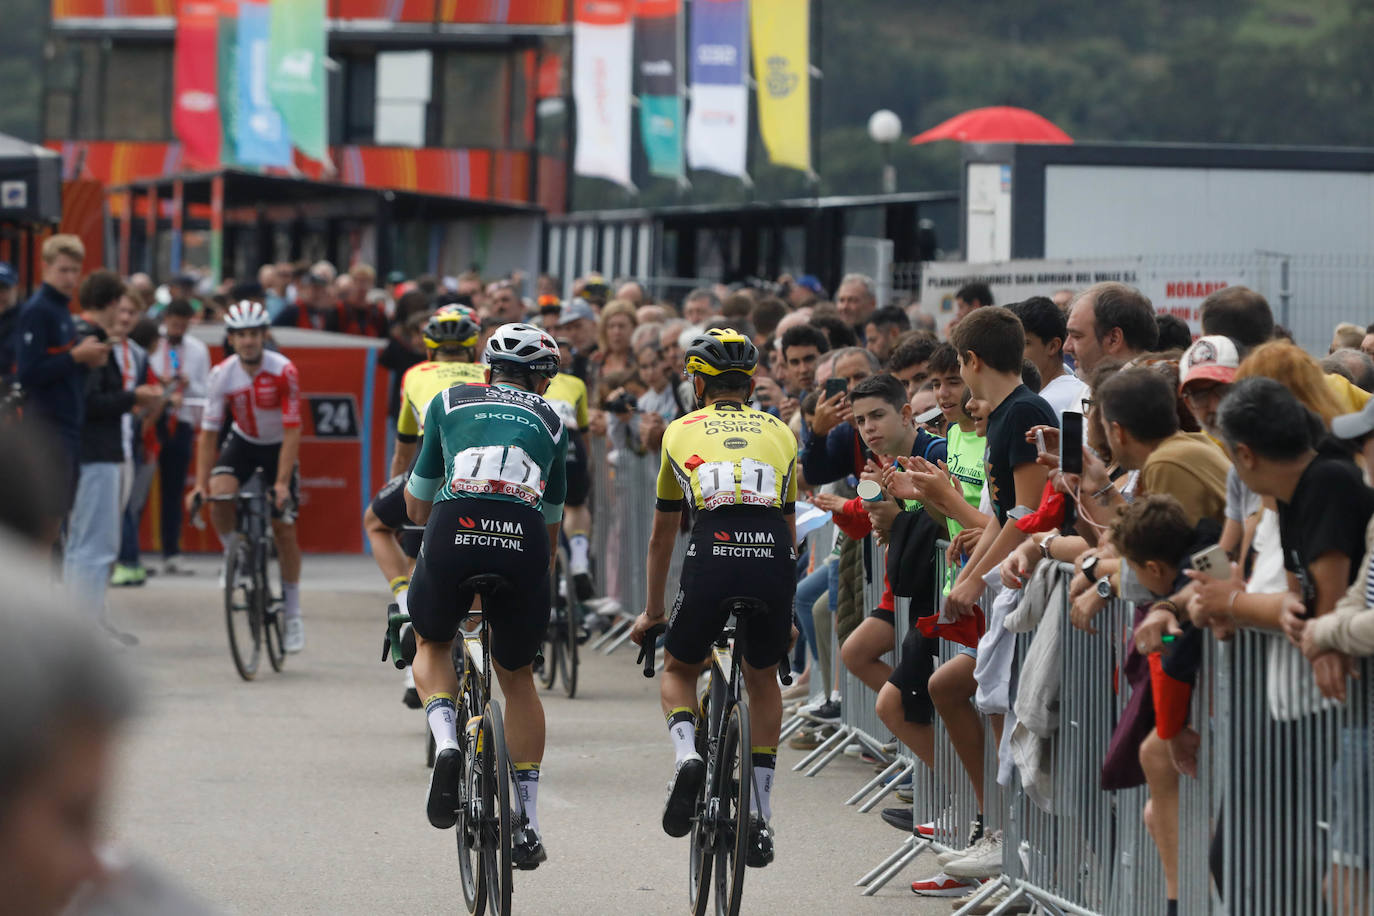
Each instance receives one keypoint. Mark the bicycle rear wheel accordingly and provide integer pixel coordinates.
(548, 649)
(471, 874)
(735, 769)
(701, 853)
(242, 614)
(496, 810)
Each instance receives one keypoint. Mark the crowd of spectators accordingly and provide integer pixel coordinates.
(1236, 438)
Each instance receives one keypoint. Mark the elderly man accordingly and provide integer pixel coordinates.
(1355, 365)
(504, 307)
(577, 323)
(1110, 321)
(700, 307)
(631, 292)
(856, 299)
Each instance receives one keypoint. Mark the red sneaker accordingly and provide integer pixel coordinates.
(942, 885)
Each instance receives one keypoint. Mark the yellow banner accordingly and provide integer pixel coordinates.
(780, 35)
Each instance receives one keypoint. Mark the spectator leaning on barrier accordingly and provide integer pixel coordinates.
(909, 361)
(1046, 330)
(1110, 320)
(882, 329)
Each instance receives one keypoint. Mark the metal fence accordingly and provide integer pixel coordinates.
(1279, 818)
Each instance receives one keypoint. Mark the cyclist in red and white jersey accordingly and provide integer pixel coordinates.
(262, 392)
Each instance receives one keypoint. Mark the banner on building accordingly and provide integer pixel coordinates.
(226, 70)
(260, 137)
(658, 52)
(781, 35)
(602, 42)
(296, 81)
(195, 96)
(718, 55)
(1172, 290)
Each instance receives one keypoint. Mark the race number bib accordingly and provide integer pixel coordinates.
(717, 482)
(758, 483)
(508, 471)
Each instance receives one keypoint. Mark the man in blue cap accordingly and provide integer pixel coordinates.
(9, 281)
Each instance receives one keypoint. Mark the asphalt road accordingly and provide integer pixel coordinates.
(303, 792)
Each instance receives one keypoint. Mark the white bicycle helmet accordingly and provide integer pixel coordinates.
(246, 314)
(525, 346)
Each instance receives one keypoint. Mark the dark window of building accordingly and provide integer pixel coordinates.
(137, 95)
(476, 88)
(359, 99)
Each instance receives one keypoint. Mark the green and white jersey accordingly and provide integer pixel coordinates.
(493, 442)
(965, 453)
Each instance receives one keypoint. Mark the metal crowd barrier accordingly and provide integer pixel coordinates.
(819, 544)
(622, 502)
(859, 722)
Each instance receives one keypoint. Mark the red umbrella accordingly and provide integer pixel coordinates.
(999, 124)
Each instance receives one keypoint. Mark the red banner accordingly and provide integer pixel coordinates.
(195, 98)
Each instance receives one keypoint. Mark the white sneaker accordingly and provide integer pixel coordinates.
(172, 566)
(294, 639)
(984, 862)
(955, 855)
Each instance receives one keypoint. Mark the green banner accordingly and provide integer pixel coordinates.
(227, 65)
(296, 80)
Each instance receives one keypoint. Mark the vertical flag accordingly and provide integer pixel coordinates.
(658, 50)
(602, 38)
(226, 68)
(195, 103)
(295, 80)
(782, 68)
(260, 137)
(718, 122)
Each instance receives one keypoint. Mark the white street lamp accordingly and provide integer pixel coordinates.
(885, 127)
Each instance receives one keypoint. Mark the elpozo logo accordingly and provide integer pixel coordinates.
(780, 81)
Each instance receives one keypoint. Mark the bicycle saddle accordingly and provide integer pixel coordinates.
(486, 584)
(743, 608)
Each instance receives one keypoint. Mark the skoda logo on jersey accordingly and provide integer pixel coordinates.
(735, 442)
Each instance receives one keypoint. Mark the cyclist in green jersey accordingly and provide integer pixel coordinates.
(489, 485)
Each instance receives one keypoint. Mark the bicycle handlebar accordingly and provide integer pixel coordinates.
(646, 648)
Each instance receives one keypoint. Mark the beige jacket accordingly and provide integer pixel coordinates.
(1349, 628)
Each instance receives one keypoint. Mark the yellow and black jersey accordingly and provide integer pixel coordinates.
(728, 455)
(568, 395)
(421, 383)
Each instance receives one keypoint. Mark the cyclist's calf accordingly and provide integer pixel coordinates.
(223, 512)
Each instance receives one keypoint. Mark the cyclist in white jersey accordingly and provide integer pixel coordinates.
(263, 394)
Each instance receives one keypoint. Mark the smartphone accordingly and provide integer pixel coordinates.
(1213, 561)
(1071, 443)
(834, 386)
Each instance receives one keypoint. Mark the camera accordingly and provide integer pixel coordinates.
(621, 403)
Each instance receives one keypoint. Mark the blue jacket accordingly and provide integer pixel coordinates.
(54, 383)
(841, 453)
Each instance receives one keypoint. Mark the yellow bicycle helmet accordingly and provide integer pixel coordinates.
(451, 328)
(721, 350)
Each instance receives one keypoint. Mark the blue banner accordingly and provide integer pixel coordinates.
(260, 136)
(718, 60)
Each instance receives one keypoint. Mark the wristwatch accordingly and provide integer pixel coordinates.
(1045, 546)
(1090, 567)
(1104, 588)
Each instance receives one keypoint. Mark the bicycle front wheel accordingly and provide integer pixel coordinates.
(496, 811)
(701, 851)
(242, 614)
(735, 769)
(272, 610)
(471, 874)
(568, 649)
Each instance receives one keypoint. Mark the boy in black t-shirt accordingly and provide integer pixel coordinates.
(991, 344)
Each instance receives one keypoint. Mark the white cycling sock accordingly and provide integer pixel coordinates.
(765, 765)
(527, 780)
(291, 598)
(577, 553)
(682, 728)
(402, 600)
(442, 712)
(230, 541)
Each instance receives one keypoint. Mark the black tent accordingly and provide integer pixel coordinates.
(30, 182)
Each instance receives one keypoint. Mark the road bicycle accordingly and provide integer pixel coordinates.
(564, 632)
(490, 815)
(254, 612)
(720, 827)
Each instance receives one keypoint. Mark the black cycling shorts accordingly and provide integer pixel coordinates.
(389, 505)
(470, 537)
(736, 552)
(240, 458)
(912, 676)
(578, 474)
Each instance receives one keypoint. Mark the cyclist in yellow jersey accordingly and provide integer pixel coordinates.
(738, 466)
(451, 341)
(568, 395)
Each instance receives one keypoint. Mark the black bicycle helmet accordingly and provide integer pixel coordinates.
(722, 350)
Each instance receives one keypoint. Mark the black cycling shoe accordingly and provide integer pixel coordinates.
(528, 853)
(444, 782)
(683, 789)
(760, 851)
(412, 698)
